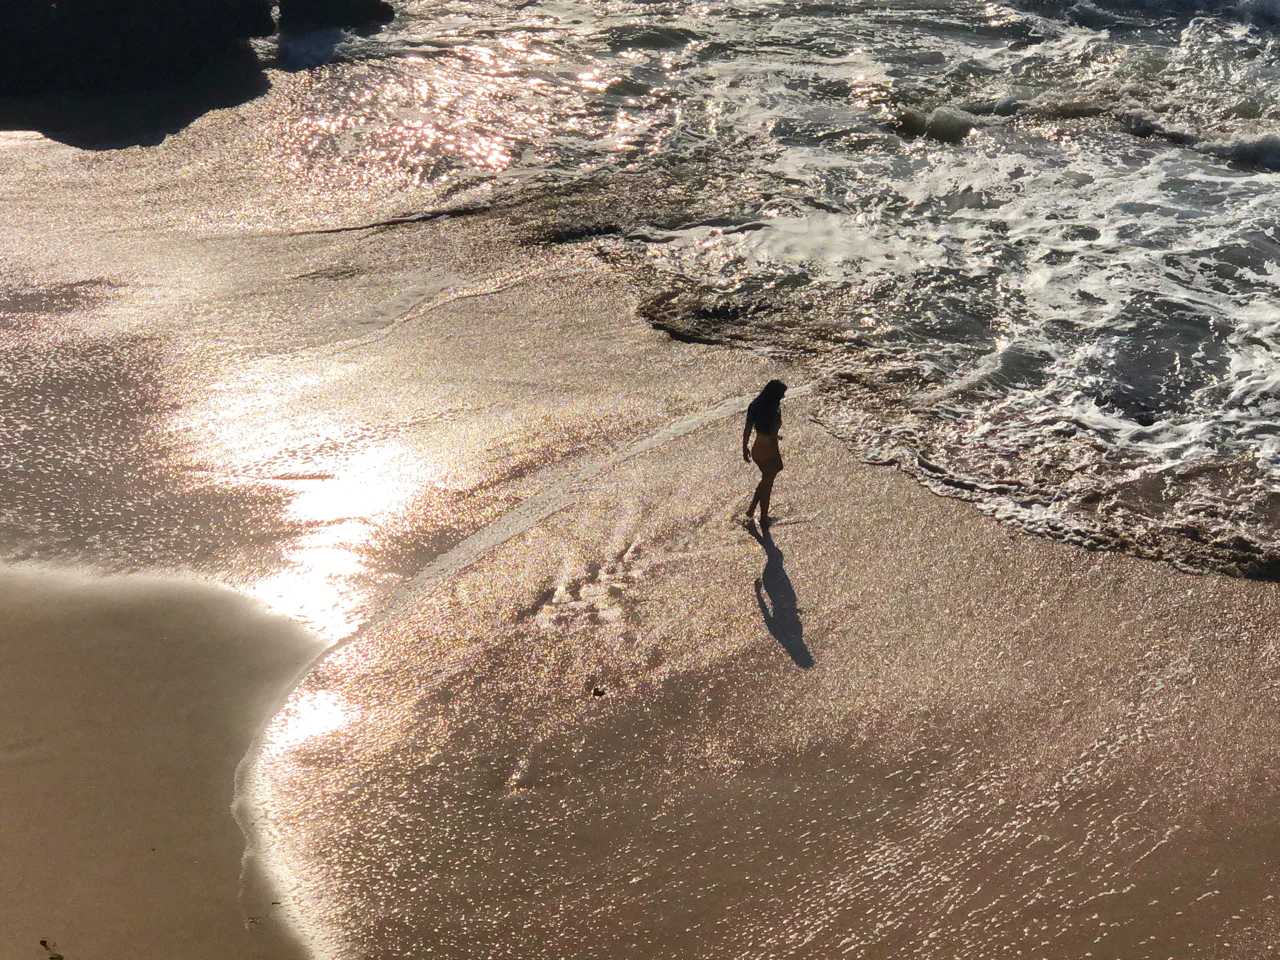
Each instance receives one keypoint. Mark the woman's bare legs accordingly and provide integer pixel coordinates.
(763, 491)
(766, 489)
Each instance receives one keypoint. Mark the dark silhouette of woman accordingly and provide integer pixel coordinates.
(764, 415)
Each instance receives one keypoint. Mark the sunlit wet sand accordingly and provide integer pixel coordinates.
(591, 742)
(589, 713)
(310, 419)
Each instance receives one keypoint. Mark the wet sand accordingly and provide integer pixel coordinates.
(308, 419)
(591, 713)
(890, 729)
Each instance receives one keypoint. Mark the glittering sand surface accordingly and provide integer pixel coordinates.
(574, 706)
(890, 729)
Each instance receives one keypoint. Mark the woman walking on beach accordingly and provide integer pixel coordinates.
(764, 415)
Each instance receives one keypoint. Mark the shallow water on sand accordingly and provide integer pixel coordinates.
(1031, 245)
(1025, 251)
(586, 743)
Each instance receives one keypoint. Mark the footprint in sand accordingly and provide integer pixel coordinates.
(596, 596)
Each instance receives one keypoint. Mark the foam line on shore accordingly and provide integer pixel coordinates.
(128, 702)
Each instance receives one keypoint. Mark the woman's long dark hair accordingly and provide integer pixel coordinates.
(765, 410)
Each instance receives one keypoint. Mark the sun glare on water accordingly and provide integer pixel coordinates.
(319, 583)
(337, 487)
(306, 717)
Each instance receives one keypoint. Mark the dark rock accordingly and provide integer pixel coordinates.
(910, 123)
(298, 15)
(597, 691)
(950, 124)
(106, 118)
(51, 45)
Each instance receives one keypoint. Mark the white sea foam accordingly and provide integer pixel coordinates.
(1045, 309)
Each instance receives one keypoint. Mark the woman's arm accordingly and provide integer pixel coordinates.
(746, 435)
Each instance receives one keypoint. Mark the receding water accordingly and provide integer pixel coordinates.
(1030, 247)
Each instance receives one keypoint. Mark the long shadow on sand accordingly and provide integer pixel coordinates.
(130, 118)
(779, 611)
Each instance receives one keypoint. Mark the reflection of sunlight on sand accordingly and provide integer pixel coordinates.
(306, 716)
(320, 583)
(372, 483)
(317, 585)
(343, 481)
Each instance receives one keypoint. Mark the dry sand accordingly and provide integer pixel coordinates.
(127, 705)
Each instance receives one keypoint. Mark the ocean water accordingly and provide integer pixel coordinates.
(1027, 249)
